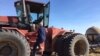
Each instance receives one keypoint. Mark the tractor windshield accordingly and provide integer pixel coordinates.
(34, 11)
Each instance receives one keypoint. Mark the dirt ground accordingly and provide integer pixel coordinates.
(91, 54)
(94, 54)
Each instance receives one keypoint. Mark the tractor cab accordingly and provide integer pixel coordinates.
(29, 12)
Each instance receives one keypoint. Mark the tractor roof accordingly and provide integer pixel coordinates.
(34, 6)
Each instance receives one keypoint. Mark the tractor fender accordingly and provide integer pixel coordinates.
(22, 32)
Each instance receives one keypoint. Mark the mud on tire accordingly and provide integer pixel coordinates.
(13, 44)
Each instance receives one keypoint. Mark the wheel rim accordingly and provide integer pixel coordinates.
(8, 49)
(80, 47)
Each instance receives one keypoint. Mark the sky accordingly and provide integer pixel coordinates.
(68, 14)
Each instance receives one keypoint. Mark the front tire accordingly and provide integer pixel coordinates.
(13, 44)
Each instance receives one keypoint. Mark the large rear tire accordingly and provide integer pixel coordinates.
(13, 44)
(74, 45)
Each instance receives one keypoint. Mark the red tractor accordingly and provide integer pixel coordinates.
(17, 36)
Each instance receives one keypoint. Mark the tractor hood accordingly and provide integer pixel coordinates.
(8, 19)
(53, 32)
